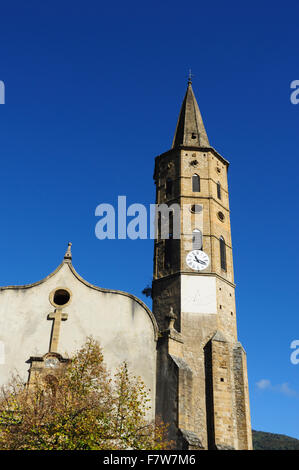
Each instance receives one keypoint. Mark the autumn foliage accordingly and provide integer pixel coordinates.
(79, 407)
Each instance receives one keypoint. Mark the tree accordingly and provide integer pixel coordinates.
(79, 406)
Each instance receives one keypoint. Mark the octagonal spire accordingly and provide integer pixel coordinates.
(190, 130)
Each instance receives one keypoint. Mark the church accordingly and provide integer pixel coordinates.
(186, 350)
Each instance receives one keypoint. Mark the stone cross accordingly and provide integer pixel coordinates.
(57, 316)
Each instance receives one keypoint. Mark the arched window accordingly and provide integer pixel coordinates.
(196, 183)
(222, 253)
(196, 239)
(218, 190)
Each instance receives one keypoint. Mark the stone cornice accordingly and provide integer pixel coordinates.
(195, 149)
(179, 273)
(210, 235)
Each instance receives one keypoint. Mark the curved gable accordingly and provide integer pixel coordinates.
(122, 323)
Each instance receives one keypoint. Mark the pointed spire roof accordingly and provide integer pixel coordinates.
(190, 130)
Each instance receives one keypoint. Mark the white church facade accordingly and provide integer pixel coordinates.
(44, 323)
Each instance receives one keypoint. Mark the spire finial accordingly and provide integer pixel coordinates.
(190, 75)
(190, 130)
(68, 253)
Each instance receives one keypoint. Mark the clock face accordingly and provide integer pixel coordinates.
(197, 260)
(51, 362)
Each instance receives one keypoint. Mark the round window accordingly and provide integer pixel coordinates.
(221, 216)
(60, 297)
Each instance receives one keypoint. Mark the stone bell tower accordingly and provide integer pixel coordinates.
(202, 387)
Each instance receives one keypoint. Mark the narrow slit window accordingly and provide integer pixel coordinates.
(197, 239)
(159, 226)
(171, 225)
(169, 187)
(168, 254)
(222, 253)
(196, 183)
(218, 190)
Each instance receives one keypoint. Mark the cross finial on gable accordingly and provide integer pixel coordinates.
(68, 253)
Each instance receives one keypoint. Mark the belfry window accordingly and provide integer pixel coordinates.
(197, 239)
(196, 183)
(218, 190)
(222, 253)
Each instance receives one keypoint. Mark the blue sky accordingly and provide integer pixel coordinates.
(93, 93)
